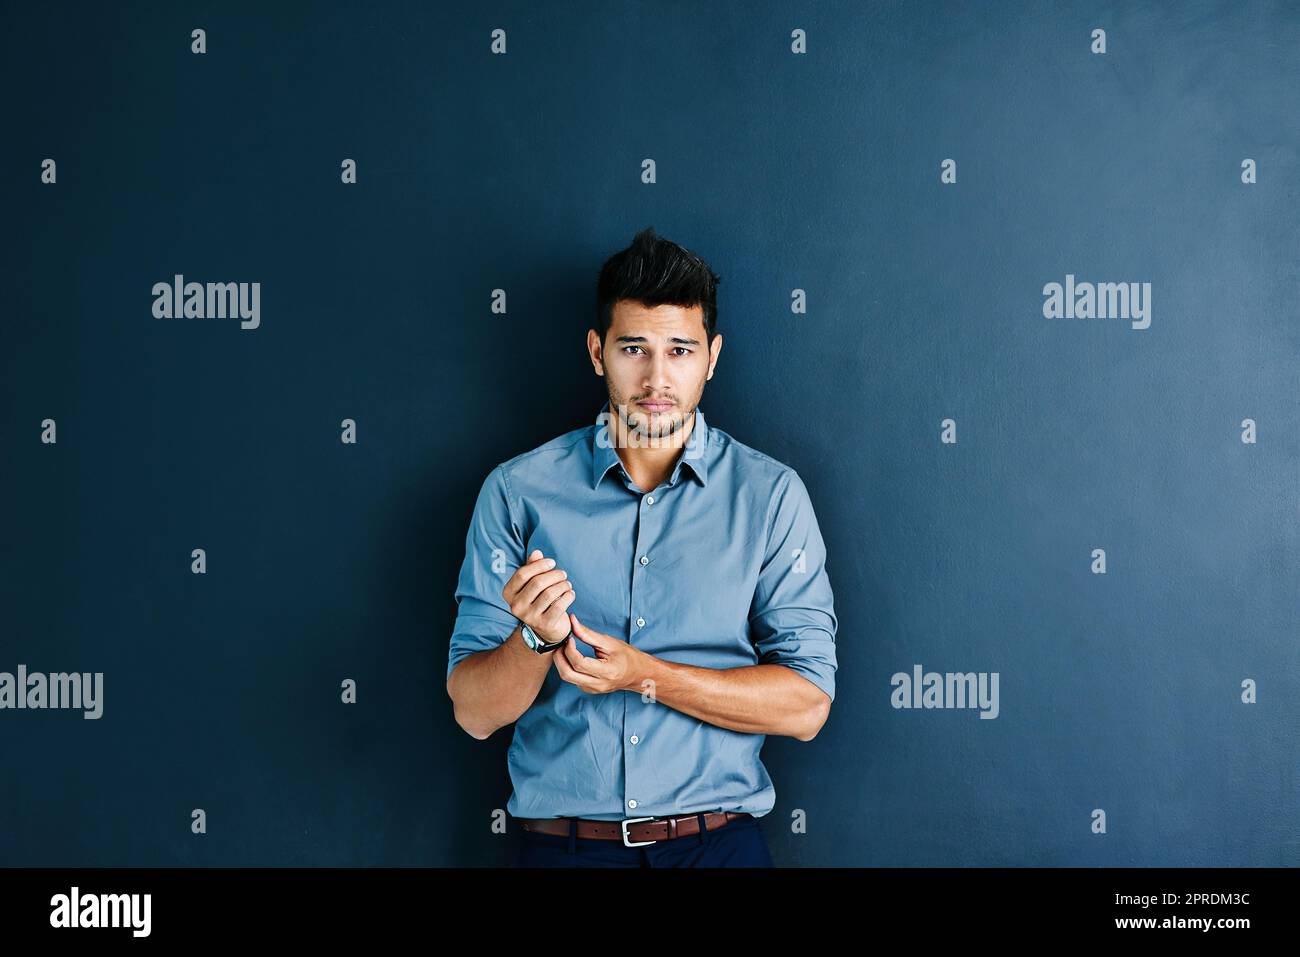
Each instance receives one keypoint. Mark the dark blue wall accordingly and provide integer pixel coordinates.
(1119, 691)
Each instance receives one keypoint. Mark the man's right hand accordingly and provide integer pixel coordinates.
(539, 595)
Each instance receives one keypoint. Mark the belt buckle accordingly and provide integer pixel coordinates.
(633, 820)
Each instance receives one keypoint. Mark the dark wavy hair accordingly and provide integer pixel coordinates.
(654, 272)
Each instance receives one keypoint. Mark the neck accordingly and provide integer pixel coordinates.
(651, 461)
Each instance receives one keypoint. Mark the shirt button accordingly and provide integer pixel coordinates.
(640, 622)
(631, 802)
(649, 499)
(634, 739)
(645, 560)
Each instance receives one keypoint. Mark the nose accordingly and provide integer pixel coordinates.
(656, 382)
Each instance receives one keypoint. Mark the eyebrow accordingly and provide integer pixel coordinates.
(677, 339)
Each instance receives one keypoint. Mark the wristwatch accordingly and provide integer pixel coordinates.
(534, 642)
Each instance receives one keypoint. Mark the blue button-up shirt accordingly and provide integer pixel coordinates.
(721, 566)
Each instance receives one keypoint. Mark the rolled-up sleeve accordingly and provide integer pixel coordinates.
(494, 548)
(792, 618)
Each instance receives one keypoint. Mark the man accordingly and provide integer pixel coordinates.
(646, 598)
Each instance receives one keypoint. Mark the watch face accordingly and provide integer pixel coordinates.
(530, 639)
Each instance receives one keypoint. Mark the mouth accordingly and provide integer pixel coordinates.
(655, 406)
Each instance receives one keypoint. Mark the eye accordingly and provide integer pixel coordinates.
(681, 349)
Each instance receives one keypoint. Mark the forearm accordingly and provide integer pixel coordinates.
(756, 699)
(490, 689)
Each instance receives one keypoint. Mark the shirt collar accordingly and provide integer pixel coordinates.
(694, 456)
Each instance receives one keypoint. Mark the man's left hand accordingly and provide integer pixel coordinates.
(617, 665)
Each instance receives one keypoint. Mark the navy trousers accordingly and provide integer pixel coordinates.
(737, 843)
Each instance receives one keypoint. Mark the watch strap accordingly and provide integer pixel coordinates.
(541, 646)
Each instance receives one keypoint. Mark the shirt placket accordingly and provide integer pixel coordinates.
(637, 782)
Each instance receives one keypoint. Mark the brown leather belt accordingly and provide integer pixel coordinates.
(632, 831)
